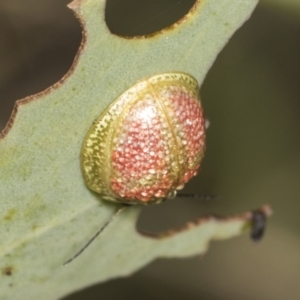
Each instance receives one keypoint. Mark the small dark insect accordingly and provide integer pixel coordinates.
(259, 222)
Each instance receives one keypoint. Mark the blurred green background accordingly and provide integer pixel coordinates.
(251, 97)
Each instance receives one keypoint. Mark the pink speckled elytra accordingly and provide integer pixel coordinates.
(148, 143)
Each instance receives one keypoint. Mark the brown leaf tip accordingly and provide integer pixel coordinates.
(75, 5)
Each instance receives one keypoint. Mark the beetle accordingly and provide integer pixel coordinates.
(259, 220)
(147, 144)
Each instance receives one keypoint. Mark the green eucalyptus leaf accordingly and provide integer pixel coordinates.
(46, 211)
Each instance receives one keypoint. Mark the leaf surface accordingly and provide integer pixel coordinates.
(46, 212)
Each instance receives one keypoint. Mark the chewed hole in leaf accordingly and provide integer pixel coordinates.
(144, 17)
(171, 214)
